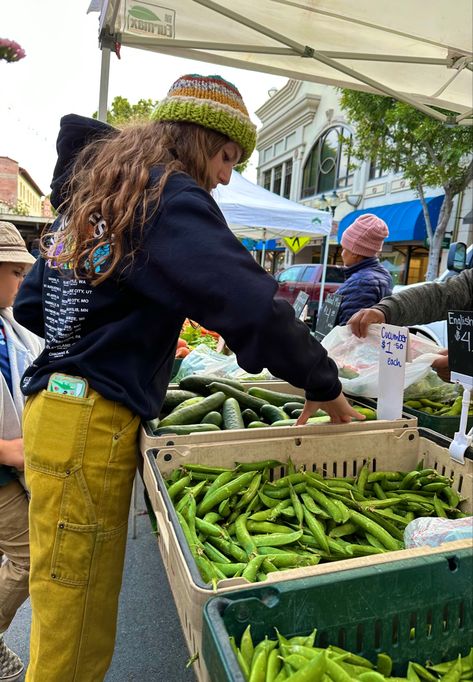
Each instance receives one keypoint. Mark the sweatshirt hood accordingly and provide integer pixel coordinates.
(75, 133)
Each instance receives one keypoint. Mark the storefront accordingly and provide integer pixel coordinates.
(405, 253)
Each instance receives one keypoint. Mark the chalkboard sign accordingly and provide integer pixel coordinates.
(460, 341)
(300, 302)
(327, 316)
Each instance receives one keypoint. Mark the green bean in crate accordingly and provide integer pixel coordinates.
(301, 518)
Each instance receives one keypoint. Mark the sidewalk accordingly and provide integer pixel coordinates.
(150, 646)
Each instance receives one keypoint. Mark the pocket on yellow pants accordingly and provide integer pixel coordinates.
(72, 553)
(55, 433)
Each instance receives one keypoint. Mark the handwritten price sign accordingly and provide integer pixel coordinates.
(392, 369)
(460, 341)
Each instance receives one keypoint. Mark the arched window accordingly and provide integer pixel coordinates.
(328, 164)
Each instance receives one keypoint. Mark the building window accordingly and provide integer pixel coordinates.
(268, 152)
(287, 179)
(267, 180)
(279, 148)
(328, 165)
(277, 180)
(376, 170)
(291, 141)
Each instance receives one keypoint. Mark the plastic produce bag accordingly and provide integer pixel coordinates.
(204, 360)
(358, 359)
(434, 531)
(433, 388)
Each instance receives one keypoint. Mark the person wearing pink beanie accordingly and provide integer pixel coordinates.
(366, 280)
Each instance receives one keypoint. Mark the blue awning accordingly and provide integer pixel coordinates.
(405, 220)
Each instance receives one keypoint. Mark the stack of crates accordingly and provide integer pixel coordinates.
(330, 451)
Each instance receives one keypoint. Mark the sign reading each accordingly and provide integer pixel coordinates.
(299, 303)
(327, 316)
(392, 369)
(460, 341)
(296, 243)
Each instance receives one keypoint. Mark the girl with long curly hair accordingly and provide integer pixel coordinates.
(138, 246)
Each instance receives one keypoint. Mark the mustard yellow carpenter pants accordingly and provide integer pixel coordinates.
(81, 456)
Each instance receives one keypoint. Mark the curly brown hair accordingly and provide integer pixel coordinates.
(110, 183)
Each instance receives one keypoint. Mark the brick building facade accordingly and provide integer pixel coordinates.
(22, 202)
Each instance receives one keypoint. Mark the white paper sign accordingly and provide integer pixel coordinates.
(392, 369)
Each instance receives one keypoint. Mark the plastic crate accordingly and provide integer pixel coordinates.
(366, 611)
(333, 453)
(444, 425)
(147, 440)
(447, 426)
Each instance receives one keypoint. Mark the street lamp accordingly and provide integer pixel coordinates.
(329, 203)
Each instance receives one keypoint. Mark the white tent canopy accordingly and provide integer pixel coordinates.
(416, 51)
(254, 212)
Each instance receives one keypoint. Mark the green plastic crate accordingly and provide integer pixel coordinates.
(365, 610)
(445, 425)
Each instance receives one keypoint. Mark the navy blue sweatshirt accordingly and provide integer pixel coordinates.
(121, 335)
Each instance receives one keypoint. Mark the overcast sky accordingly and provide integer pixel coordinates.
(60, 75)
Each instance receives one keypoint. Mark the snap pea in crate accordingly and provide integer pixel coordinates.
(416, 609)
(340, 452)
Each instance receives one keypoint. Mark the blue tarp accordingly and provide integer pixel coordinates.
(405, 220)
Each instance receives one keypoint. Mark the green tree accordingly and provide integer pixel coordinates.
(122, 112)
(429, 153)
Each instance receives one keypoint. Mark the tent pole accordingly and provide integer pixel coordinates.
(104, 79)
(263, 249)
(324, 269)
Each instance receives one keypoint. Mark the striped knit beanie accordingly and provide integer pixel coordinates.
(212, 102)
(366, 235)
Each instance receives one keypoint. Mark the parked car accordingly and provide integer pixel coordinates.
(307, 277)
(460, 257)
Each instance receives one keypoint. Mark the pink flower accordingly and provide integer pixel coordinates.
(10, 50)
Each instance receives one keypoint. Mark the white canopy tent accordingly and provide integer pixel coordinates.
(416, 51)
(254, 212)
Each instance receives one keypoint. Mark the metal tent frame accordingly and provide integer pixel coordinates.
(420, 52)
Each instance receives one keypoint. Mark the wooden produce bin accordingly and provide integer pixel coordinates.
(331, 451)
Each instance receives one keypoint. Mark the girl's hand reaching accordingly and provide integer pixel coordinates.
(339, 410)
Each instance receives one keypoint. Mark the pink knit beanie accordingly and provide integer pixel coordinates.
(366, 235)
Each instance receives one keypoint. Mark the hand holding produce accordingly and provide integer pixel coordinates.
(441, 365)
(339, 411)
(360, 321)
